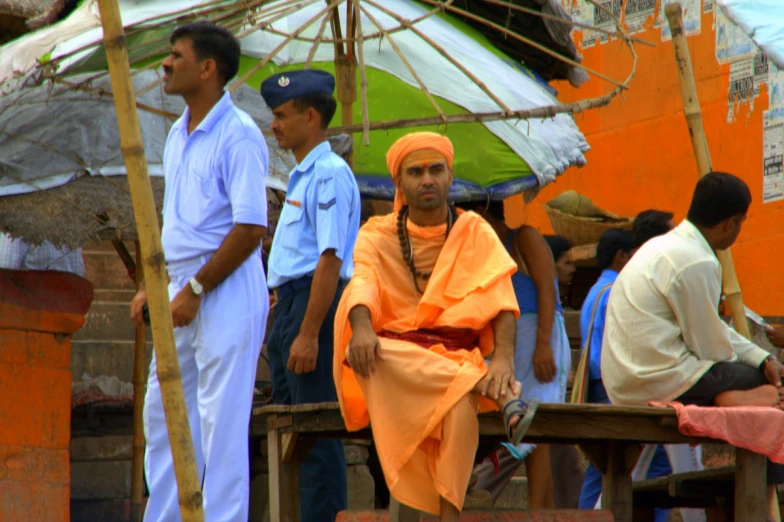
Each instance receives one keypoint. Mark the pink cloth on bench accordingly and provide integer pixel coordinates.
(756, 428)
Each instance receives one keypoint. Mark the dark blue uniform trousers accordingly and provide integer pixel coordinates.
(322, 476)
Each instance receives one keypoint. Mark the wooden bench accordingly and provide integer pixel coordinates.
(611, 437)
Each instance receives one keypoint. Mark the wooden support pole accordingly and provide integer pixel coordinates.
(154, 263)
(346, 70)
(139, 381)
(691, 108)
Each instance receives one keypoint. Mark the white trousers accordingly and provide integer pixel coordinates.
(218, 353)
(683, 458)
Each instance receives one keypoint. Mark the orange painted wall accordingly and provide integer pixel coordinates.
(642, 157)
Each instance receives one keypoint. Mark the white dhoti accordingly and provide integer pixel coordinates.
(218, 353)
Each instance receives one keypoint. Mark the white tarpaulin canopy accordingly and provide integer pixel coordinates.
(763, 22)
(547, 146)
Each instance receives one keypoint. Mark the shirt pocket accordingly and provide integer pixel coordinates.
(201, 195)
(290, 226)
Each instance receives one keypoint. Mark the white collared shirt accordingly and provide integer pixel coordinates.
(215, 179)
(663, 330)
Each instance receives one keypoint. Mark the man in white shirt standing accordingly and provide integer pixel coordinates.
(664, 339)
(214, 217)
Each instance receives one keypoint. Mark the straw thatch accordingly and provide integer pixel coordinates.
(85, 210)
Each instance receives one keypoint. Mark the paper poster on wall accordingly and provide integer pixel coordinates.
(732, 44)
(637, 12)
(775, 92)
(692, 18)
(602, 18)
(760, 64)
(772, 158)
(741, 88)
(582, 12)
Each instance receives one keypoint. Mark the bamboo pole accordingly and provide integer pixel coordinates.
(139, 364)
(693, 112)
(346, 69)
(148, 230)
(527, 114)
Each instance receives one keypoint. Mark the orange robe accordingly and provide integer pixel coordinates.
(419, 400)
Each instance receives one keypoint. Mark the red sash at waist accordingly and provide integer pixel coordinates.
(452, 338)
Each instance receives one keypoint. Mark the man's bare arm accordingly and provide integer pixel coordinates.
(322, 293)
(360, 317)
(504, 333)
(239, 244)
(541, 268)
(500, 375)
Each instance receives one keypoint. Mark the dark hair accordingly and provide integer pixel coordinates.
(718, 196)
(611, 242)
(212, 41)
(559, 245)
(324, 104)
(649, 224)
(494, 208)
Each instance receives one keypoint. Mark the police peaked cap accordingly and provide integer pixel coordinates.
(280, 88)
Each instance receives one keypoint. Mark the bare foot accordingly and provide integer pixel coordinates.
(766, 395)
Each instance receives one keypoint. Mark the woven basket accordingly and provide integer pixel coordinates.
(580, 230)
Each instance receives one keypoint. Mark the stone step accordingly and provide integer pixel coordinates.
(103, 295)
(105, 269)
(112, 358)
(101, 480)
(107, 321)
(492, 516)
(110, 447)
(514, 495)
(116, 510)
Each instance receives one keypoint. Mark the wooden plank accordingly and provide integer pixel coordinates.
(275, 474)
(586, 422)
(617, 481)
(597, 454)
(288, 443)
(750, 486)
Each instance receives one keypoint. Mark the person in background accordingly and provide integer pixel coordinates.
(542, 353)
(564, 264)
(16, 254)
(310, 262)
(664, 340)
(649, 224)
(612, 253)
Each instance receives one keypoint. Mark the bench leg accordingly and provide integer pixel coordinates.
(401, 513)
(283, 478)
(750, 488)
(617, 479)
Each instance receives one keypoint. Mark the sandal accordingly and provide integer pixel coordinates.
(525, 412)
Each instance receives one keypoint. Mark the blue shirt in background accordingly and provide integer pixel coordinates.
(321, 212)
(596, 391)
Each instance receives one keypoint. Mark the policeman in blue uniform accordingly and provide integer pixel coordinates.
(310, 262)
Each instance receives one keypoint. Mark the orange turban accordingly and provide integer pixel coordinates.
(413, 142)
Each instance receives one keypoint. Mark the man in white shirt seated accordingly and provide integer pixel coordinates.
(664, 339)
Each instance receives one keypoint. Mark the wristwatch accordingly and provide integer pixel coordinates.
(765, 361)
(196, 287)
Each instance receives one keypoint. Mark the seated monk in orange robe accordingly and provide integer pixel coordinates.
(430, 299)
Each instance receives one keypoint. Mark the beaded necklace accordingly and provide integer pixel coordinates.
(407, 247)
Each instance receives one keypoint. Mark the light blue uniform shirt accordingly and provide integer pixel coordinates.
(321, 212)
(215, 178)
(595, 365)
